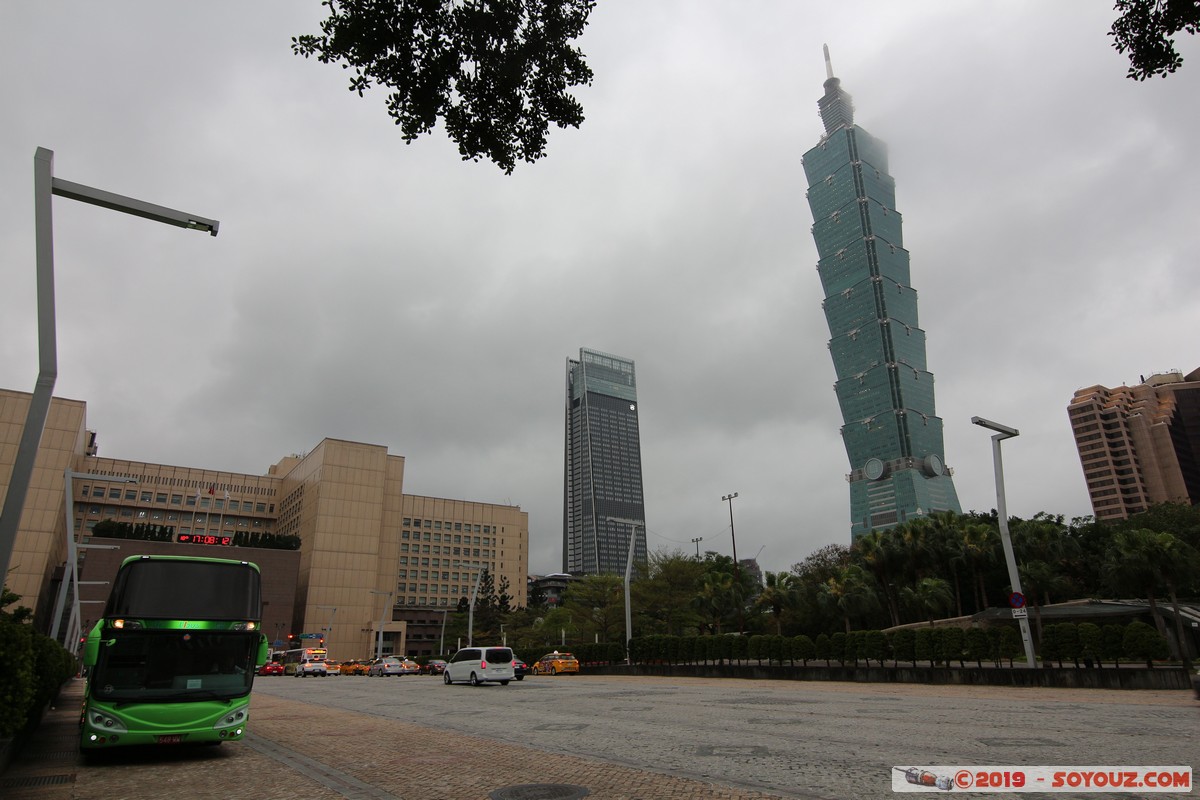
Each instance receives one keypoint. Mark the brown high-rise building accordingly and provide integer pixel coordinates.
(1139, 445)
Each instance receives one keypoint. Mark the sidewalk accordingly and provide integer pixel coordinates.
(298, 750)
(45, 767)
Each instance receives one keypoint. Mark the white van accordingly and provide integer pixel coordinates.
(477, 665)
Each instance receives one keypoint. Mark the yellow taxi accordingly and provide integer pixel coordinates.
(354, 668)
(556, 663)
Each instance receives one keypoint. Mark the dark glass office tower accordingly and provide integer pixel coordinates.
(603, 473)
(891, 431)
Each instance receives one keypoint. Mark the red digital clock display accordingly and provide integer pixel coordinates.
(201, 538)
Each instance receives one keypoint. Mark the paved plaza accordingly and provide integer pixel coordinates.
(620, 738)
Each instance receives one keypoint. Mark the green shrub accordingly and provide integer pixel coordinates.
(1143, 642)
(875, 647)
(804, 648)
(18, 686)
(903, 644)
(978, 645)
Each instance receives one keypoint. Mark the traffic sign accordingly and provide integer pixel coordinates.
(310, 636)
(1016, 600)
(1020, 613)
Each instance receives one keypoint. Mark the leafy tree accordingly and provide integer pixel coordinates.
(496, 72)
(904, 646)
(951, 645)
(850, 591)
(875, 647)
(977, 645)
(1091, 642)
(778, 593)
(837, 647)
(804, 648)
(1141, 641)
(824, 648)
(931, 597)
(1051, 645)
(1113, 643)
(925, 645)
(664, 598)
(1145, 560)
(1145, 30)
(596, 606)
(1007, 643)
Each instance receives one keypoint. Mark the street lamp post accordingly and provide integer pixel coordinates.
(633, 526)
(696, 541)
(45, 185)
(382, 617)
(1004, 432)
(332, 615)
(737, 575)
(471, 609)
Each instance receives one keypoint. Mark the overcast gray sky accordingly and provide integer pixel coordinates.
(368, 290)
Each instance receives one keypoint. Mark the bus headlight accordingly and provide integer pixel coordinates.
(106, 722)
(235, 718)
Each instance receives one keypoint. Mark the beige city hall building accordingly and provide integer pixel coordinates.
(364, 544)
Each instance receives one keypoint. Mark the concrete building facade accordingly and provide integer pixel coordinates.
(363, 544)
(1139, 445)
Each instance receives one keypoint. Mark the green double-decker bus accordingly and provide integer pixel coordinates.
(172, 660)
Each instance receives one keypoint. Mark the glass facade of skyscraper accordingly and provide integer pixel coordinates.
(603, 470)
(892, 434)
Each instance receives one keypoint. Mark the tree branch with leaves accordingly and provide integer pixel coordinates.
(496, 72)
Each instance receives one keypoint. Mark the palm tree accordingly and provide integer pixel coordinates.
(715, 598)
(945, 538)
(931, 596)
(849, 591)
(1146, 559)
(880, 553)
(778, 593)
(980, 544)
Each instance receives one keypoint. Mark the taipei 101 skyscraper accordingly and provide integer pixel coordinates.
(892, 433)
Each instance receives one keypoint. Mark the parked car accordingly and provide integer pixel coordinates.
(333, 668)
(520, 669)
(409, 667)
(478, 665)
(315, 669)
(434, 666)
(388, 665)
(556, 663)
(271, 668)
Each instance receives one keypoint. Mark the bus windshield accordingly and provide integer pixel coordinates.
(176, 588)
(174, 665)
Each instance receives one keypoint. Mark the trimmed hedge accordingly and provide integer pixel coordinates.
(921, 646)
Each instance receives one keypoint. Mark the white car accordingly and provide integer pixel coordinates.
(478, 665)
(388, 665)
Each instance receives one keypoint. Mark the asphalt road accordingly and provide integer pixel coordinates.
(790, 739)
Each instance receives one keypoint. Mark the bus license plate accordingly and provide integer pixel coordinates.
(171, 738)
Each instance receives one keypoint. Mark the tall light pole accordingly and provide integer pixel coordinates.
(45, 185)
(1014, 577)
(382, 617)
(696, 541)
(737, 574)
(633, 526)
(729, 499)
(471, 609)
(332, 614)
